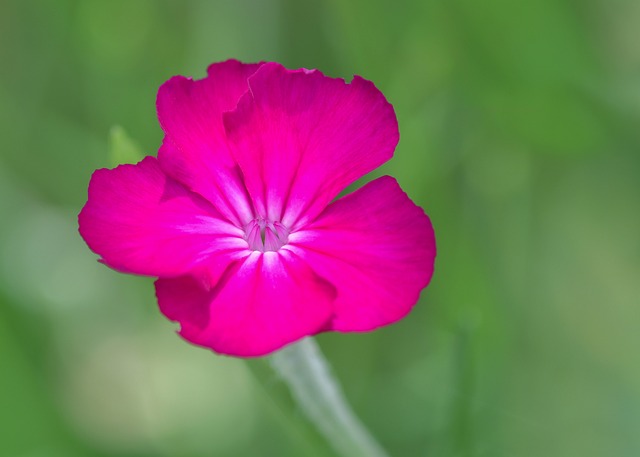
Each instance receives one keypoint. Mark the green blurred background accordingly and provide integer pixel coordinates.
(519, 135)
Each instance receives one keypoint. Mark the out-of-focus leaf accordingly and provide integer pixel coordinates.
(122, 149)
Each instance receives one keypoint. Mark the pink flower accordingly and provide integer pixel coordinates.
(236, 219)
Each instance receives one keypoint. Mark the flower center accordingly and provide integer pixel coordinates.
(263, 235)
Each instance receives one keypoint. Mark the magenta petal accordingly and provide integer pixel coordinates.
(194, 151)
(301, 137)
(141, 221)
(377, 248)
(259, 305)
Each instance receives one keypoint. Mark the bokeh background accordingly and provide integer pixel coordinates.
(520, 137)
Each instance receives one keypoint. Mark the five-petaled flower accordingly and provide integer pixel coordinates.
(236, 218)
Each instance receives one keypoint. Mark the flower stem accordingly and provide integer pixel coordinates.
(307, 373)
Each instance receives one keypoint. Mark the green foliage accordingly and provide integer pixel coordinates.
(122, 149)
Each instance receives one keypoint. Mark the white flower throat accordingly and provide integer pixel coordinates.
(264, 235)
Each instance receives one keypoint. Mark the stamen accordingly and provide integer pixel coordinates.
(281, 231)
(263, 235)
(271, 242)
(254, 236)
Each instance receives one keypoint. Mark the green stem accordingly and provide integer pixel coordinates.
(307, 373)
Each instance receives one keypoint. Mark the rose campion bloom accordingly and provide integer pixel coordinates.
(236, 216)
